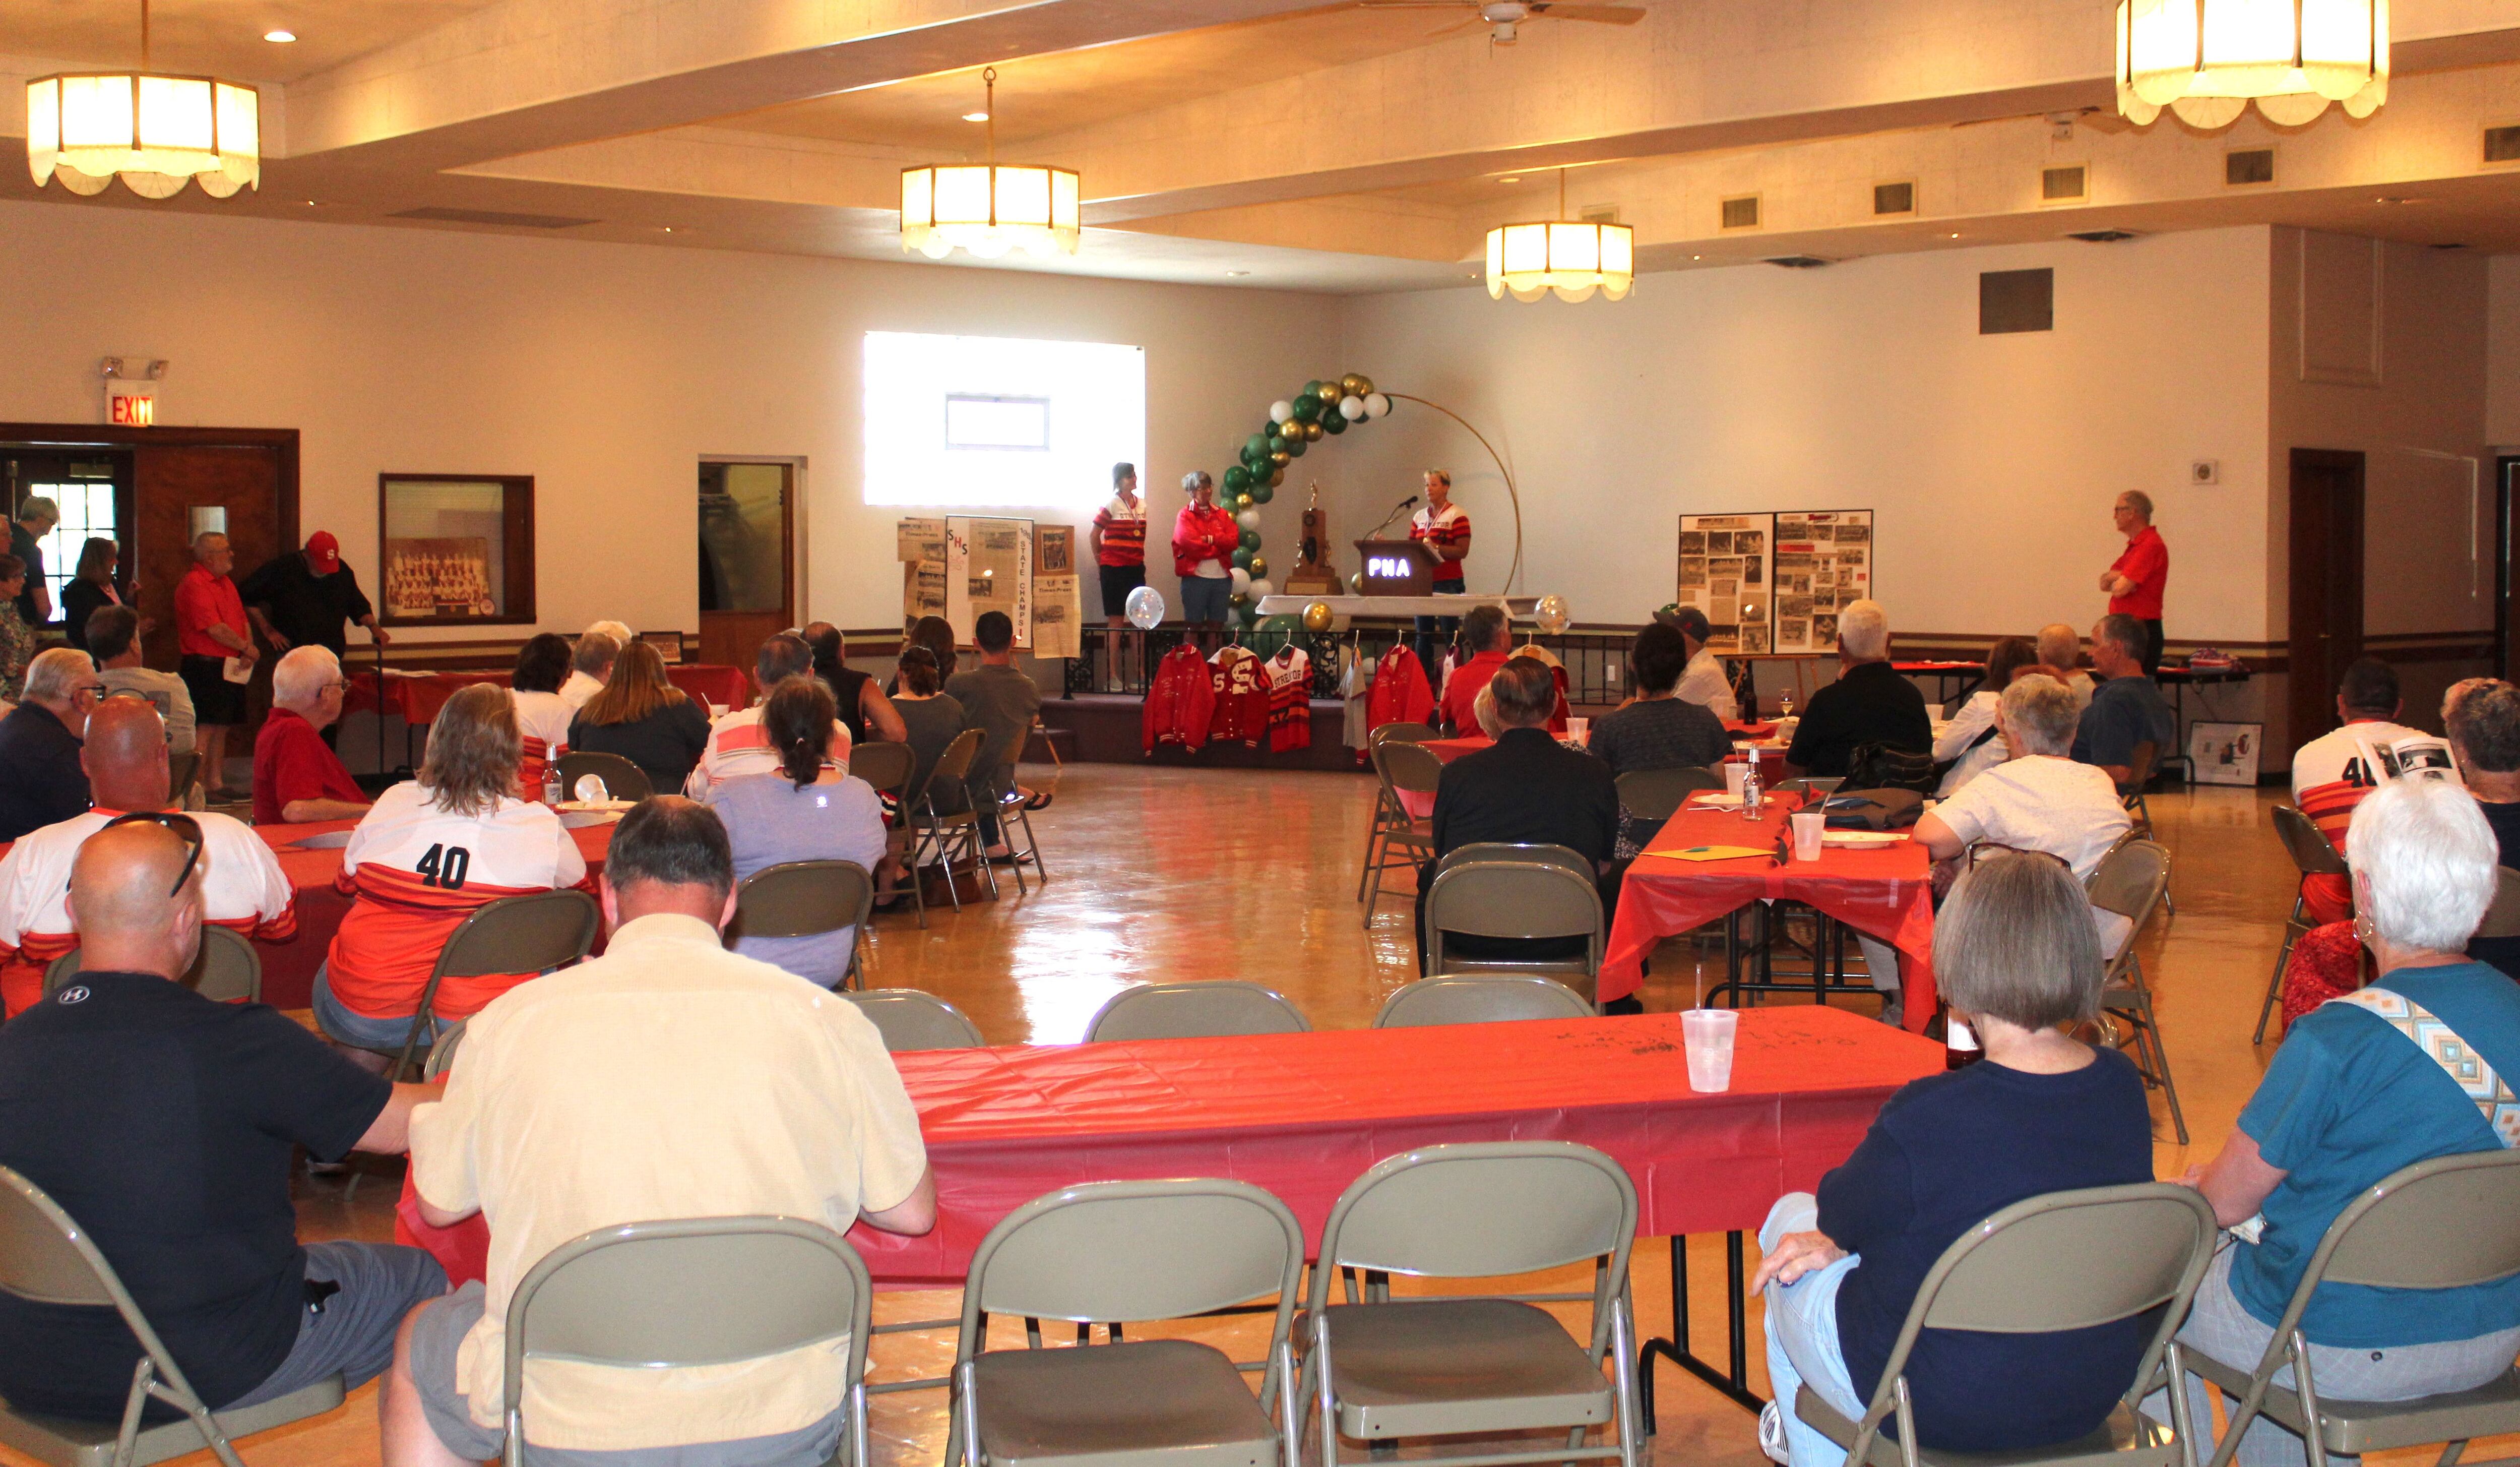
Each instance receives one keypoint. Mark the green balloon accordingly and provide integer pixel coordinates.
(1307, 408)
(1254, 446)
(1295, 447)
(1264, 491)
(1238, 479)
(1250, 539)
(1242, 558)
(1278, 444)
(1333, 424)
(1312, 389)
(1281, 624)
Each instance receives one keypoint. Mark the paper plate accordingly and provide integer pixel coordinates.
(1862, 839)
(331, 839)
(616, 806)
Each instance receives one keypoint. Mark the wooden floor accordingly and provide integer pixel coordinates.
(1166, 873)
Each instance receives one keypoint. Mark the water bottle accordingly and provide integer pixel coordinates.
(551, 784)
(1750, 789)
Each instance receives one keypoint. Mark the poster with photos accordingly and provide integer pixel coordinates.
(1821, 560)
(1725, 571)
(988, 567)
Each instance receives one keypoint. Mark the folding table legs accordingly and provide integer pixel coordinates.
(1735, 1384)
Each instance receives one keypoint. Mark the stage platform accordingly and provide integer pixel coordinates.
(1108, 728)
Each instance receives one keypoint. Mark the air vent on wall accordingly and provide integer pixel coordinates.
(2503, 145)
(2102, 236)
(2067, 185)
(492, 217)
(1894, 197)
(2012, 300)
(1796, 261)
(2249, 166)
(1741, 212)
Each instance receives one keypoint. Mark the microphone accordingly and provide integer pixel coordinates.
(1394, 515)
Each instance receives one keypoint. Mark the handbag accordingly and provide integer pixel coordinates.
(1887, 766)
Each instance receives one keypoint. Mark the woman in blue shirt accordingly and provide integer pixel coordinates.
(2019, 960)
(2352, 1098)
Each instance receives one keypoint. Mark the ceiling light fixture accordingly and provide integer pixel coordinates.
(1558, 256)
(987, 209)
(2208, 60)
(280, 37)
(1510, 178)
(976, 116)
(154, 132)
(1236, 274)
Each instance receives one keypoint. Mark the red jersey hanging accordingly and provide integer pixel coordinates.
(1291, 699)
(1180, 701)
(1400, 693)
(1241, 698)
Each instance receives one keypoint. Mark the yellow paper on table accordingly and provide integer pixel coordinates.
(1711, 853)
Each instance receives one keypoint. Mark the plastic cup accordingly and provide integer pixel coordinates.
(1579, 729)
(1707, 1035)
(1733, 773)
(1808, 826)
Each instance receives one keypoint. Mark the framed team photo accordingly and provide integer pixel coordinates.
(455, 549)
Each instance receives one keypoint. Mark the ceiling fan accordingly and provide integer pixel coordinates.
(1504, 16)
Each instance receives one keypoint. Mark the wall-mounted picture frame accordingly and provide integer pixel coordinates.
(455, 549)
(2225, 753)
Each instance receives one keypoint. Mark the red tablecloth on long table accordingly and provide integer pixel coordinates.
(1304, 1114)
(288, 968)
(1885, 893)
(416, 697)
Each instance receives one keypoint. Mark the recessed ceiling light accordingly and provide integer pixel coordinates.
(1236, 274)
(280, 37)
(1954, 236)
(664, 229)
(1510, 178)
(976, 116)
(2395, 198)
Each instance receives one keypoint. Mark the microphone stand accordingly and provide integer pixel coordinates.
(1394, 515)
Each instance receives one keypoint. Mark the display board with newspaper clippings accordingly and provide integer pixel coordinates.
(1774, 582)
(1824, 561)
(1723, 571)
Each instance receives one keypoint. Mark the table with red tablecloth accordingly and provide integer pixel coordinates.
(416, 697)
(1448, 750)
(1885, 893)
(288, 968)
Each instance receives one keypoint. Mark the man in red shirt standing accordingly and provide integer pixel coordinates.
(2135, 579)
(209, 630)
(1485, 632)
(297, 779)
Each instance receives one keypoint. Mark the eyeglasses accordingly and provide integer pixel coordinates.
(92, 689)
(186, 829)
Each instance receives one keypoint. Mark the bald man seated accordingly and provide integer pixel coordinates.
(163, 1123)
(125, 757)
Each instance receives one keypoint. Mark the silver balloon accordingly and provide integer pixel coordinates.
(1551, 615)
(1146, 608)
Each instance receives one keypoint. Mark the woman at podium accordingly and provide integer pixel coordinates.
(1444, 527)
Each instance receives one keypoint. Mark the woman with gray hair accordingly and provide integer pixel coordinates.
(17, 636)
(2361, 1087)
(2042, 1113)
(1204, 539)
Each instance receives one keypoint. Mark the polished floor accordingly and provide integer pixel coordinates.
(1169, 874)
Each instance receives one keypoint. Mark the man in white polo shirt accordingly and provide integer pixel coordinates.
(547, 1134)
(737, 744)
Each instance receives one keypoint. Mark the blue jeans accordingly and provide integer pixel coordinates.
(1435, 633)
(342, 1023)
(1205, 598)
(1801, 1336)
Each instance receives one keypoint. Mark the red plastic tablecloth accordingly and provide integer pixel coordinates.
(1304, 1114)
(1885, 893)
(288, 968)
(416, 698)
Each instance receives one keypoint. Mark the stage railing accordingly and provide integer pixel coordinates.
(1123, 660)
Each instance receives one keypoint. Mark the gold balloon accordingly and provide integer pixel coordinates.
(1282, 458)
(1313, 431)
(1277, 475)
(1355, 384)
(1259, 568)
(1317, 616)
(1356, 583)
(1329, 391)
(1242, 501)
(1291, 429)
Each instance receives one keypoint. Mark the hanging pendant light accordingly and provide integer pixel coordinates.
(2208, 60)
(154, 132)
(988, 209)
(1570, 260)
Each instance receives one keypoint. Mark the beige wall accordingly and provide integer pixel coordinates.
(604, 371)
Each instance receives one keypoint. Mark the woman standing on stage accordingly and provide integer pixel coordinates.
(1204, 539)
(1445, 528)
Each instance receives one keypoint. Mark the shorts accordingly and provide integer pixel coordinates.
(1117, 582)
(1205, 598)
(440, 1332)
(352, 1336)
(216, 700)
(345, 1025)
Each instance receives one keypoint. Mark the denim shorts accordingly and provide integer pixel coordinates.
(1205, 598)
(349, 1027)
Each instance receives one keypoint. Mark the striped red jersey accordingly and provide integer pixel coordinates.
(417, 872)
(1123, 524)
(738, 745)
(543, 718)
(1446, 529)
(243, 888)
(1291, 699)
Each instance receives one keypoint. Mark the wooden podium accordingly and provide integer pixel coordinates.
(1396, 568)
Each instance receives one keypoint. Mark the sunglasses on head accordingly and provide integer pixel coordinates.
(186, 829)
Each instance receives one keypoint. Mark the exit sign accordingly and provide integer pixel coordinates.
(131, 404)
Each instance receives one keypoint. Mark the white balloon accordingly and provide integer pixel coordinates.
(1551, 615)
(1145, 608)
(1248, 519)
(1351, 407)
(1281, 410)
(1262, 591)
(1377, 405)
(1242, 581)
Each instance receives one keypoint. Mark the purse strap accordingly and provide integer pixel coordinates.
(2465, 1064)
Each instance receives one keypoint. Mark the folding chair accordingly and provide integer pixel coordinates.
(1195, 1011)
(1479, 998)
(2130, 880)
(2132, 1249)
(804, 898)
(695, 1291)
(888, 767)
(441, 1055)
(1396, 838)
(2502, 918)
(949, 835)
(1011, 814)
(622, 779)
(2139, 772)
(530, 934)
(2313, 854)
(1498, 890)
(910, 1020)
(1489, 1363)
(1401, 733)
(47, 1259)
(1114, 1254)
(2444, 1223)
(225, 968)
(1658, 794)
(183, 771)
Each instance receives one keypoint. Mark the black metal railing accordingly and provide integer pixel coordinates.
(1123, 660)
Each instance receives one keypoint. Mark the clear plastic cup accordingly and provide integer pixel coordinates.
(1579, 729)
(1808, 826)
(1734, 773)
(1707, 1035)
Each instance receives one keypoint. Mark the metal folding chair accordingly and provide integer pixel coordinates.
(1658, 794)
(1195, 1011)
(535, 933)
(948, 836)
(225, 968)
(1397, 839)
(803, 898)
(1479, 998)
(622, 779)
(888, 767)
(1499, 890)
(910, 1020)
(2132, 881)
(2313, 854)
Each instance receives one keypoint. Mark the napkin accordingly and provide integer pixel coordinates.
(1711, 853)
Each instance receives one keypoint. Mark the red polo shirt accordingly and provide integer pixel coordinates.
(2146, 563)
(290, 763)
(204, 601)
(1462, 689)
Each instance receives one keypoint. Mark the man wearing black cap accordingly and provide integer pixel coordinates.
(305, 599)
(1704, 683)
